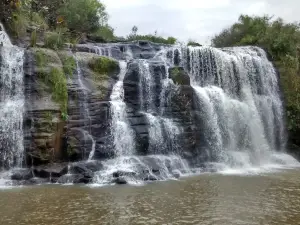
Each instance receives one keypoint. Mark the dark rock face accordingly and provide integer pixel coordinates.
(50, 139)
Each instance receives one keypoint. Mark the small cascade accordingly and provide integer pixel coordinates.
(154, 91)
(103, 50)
(11, 103)
(84, 111)
(124, 144)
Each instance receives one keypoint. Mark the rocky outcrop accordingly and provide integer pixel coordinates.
(44, 129)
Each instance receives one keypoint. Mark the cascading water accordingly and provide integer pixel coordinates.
(238, 97)
(11, 103)
(163, 131)
(124, 144)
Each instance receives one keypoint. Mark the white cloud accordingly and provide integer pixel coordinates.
(195, 19)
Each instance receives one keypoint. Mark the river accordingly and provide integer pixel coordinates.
(270, 198)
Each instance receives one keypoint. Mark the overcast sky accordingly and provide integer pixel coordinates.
(195, 19)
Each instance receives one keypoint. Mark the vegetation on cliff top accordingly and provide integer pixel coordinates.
(51, 73)
(282, 41)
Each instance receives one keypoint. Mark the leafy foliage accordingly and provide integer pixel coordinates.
(152, 38)
(83, 15)
(102, 34)
(193, 43)
(55, 39)
(103, 65)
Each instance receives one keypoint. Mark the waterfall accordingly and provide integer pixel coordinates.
(238, 100)
(163, 132)
(11, 103)
(124, 144)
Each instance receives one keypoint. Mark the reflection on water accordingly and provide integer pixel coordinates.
(207, 199)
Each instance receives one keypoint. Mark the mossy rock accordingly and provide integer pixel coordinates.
(179, 76)
(68, 61)
(46, 57)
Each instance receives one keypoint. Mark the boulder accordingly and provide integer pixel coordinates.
(119, 180)
(179, 76)
(22, 174)
(71, 179)
(54, 170)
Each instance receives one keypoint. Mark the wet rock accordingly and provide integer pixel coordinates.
(22, 174)
(150, 177)
(120, 173)
(120, 180)
(54, 170)
(176, 175)
(86, 168)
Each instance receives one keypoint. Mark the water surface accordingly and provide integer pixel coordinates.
(263, 199)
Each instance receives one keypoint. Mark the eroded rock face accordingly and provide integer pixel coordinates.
(43, 128)
(50, 138)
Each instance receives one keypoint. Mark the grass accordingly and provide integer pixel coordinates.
(69, 64)
(54, 39)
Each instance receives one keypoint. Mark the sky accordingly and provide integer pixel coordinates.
(198, 20)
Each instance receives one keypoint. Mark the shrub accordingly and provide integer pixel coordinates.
(33, 38)
(103, 65)
(55, 39)
(103, 34)
(19, 24)
(194, 44)
(152, 38)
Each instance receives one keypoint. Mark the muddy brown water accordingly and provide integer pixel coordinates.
(265, 199)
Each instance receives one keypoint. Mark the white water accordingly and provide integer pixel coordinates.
(11, 103)
(167, 164)
(124, 143)
(238, 97)
(163, 132)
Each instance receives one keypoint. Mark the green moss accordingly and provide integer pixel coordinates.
(69, 64)
(40, 58)
(45, 57)
(54, 39)
(103, 65)
(194, 44)
(57, 82)
(33, 38)
(179, 76)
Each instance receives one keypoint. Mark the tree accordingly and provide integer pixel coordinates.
(134, 30)
(83, 16)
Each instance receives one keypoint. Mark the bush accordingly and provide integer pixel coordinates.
(19, 24)
(194, 44)
(55, 39)
(103, 65)
(102, 34)
(152, 38)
